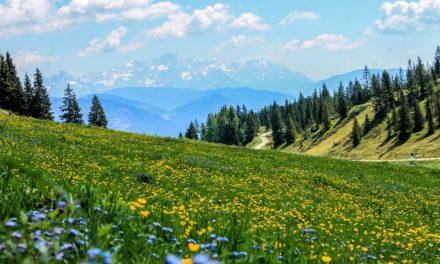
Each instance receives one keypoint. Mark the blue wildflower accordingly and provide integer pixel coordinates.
(10, 224)
(107, 257)
(16, 235)
(97, 209)
(74, 232)
(62, 204)
(171, 259)
(92, 253)
(59, 256)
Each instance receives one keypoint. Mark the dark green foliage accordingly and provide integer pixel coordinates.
(342, 105)
(290, 130)
(28, 91)
(41, 103)
(367, 125)
(430, 116)
(71, 112)
(11, 93)
(405, 122)
(191, 132)
(436, 66)
(356, 134)
(96, 114)
(419, 119)
(277, 125)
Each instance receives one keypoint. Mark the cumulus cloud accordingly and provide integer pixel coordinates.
(249, 21)
(212, 18)
(24, 58)
(403, 16)
(240, 41)
(111, 43)
(36, 16)
(296, 15)
(323, 41)
(149, 13)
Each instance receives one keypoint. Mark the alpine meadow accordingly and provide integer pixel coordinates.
(192, 132)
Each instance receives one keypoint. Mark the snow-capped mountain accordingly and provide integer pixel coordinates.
(172, 71)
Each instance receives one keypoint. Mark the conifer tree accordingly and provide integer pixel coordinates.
(395, 121)
(367, 124)
(290, 130)
(28, 91)
(436, 66)
(71, 112)
(191, 132)
(419, 119)
(325, 108)
(96, 114)
(41, 103)
(430, 116)
(342, 102)
(405, 122)
(277, 125)
(356, 134)
(180, 135)
(11, 92)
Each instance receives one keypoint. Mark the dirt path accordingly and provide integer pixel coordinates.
(264, 140)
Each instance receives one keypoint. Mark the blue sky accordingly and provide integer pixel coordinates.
(319, 38)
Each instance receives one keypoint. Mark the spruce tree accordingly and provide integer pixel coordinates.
(419, 119)
(28, 91)
(41, 103)
(342, 102)
(11, 92)
(395, 121)
(71, 112)
(180, 135)
(436, 66)
(430, 117)
(405, 122)
(367, 124)
(96, 114)
(356, 134)
(277, 125)
(191, 132)
(290, 130)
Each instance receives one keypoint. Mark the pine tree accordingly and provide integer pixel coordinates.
(71, 112)
(41, 103)
(180, 135)
(277, 125)
(250, 131)
(356, 134)
(436, 66)
(96, 114)
(28, 91)
(11, 92)
(290, 130)
(367, 124)
(379, 100)
(405, 122)
(395, 121)
(342, 102)
(325, 108)
(430, 117)
(191, 132)
(419, 119)
(436, 105)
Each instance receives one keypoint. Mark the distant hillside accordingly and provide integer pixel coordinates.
(168, 111)
(375, 144)
(332, 82)
(172, 71)
(126, 115)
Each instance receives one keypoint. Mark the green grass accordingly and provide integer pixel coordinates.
(275, 207)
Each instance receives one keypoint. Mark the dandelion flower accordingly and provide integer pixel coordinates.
(145, 213)
(193, 247)
(326, 259)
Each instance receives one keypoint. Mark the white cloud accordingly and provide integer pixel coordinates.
(249, 21)
(149, 13)
(240, 41)
(24, 58)
(212, 18)
(324, 41)
(295, 16)
(112, 43)
(36, 16)
(403, 16)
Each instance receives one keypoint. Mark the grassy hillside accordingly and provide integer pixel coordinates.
(375, 144)
(134, 198)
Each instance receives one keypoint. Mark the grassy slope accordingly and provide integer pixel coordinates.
(374, 145)
(255, 197)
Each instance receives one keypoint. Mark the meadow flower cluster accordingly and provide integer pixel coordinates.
(177, 200)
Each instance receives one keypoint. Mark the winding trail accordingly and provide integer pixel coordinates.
(264, 140)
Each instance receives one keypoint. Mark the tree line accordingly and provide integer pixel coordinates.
(397, 100)
(32, 99)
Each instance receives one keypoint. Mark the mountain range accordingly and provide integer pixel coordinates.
(168, 111)
(163, 95)
(172, 71)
